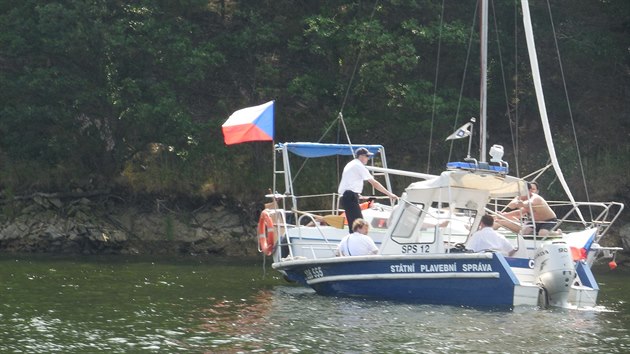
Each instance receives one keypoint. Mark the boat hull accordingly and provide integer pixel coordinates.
(457, 279)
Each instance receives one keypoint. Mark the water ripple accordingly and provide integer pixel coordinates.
(118, 306)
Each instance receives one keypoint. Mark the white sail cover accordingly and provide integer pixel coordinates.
(533, 59)
(497, 186)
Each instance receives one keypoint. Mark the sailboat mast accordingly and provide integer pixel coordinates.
(483, 36)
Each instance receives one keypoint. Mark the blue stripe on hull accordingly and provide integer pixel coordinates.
(449, 281)
(464, 292)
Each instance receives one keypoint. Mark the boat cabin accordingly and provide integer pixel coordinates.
(434, 215)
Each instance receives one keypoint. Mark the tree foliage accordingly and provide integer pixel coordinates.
(133, 94)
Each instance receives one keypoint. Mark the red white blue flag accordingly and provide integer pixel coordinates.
(249, 124)
(580, 243)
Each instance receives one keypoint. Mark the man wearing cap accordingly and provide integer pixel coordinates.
(351, 185)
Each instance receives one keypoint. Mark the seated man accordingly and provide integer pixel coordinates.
(533, 205)
(357, 243)
(487, 239)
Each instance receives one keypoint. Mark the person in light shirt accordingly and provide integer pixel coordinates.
(351, 185)
(357, 243)
(487, 239)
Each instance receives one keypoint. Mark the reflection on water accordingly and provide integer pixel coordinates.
(318, 324)
(294, 319)
(237, 323)
(121, 305)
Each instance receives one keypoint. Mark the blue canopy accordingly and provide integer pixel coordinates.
(321, 150)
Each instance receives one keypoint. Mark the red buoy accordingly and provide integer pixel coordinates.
(612, 265)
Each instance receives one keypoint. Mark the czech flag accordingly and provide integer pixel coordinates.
(249, 124)
(580, 243)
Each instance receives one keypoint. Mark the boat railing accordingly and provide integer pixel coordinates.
(311, 220)
(599, 215)
(317, 204)
(573, 216)
(286, 243)
(322, 212)
(328, 203)
(312, 247)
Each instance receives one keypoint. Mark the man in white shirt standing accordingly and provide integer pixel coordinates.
(357, 243)
(351, 185)
(487, 239)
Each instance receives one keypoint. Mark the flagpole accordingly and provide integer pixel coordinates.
(273, 157)
(472, 132)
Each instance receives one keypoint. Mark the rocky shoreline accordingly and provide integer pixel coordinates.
(102, 223)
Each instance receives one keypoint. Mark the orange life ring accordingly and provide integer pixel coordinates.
(266, 233)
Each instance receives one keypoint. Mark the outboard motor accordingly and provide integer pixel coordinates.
(555, 272)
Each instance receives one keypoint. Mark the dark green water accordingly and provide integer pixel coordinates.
(132, 305)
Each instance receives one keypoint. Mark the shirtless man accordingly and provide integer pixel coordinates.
(534, 205)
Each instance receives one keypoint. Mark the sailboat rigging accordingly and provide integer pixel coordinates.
(422, 253)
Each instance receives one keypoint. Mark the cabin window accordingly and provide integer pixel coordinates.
(408, 221)
(460, 225)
